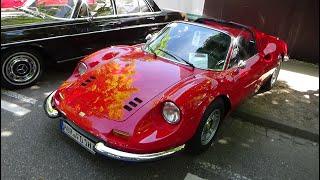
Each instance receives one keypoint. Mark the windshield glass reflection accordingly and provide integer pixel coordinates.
(203, 47)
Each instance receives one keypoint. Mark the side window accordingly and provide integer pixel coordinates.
(83, 12)
(143, 6)
(243, 50)
(101, 8)
(127, 6)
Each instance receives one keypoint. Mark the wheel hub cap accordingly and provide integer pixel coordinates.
(20, 69)
(211, 126)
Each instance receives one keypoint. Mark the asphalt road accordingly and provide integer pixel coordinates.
(32, 147)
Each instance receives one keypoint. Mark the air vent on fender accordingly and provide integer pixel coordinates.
(86, 82)
(132, 104)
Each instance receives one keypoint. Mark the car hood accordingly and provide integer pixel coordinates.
(117, 88)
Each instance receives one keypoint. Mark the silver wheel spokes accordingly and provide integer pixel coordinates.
(211, 126)
(21, 68)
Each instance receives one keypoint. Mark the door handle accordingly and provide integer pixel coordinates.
(151, 18)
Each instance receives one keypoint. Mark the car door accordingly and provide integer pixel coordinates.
(244, 70)
(137, 20)
(97, 26)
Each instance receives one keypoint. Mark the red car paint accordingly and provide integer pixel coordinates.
(11, 3)
(117, 75)
(19, 3)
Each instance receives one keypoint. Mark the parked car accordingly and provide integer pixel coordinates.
(9, 5)
(70, 30)
(146, 101)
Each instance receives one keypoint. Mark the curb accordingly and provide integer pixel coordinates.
(246, 117)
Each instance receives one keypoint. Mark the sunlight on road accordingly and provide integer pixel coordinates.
(298, 81)
(6, 133)
(14, 108)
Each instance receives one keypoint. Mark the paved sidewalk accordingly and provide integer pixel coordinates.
(292, 106)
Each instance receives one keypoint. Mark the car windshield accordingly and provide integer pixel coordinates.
(198, 46)
(52, 8)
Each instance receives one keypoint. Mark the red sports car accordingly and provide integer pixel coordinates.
(142, 102)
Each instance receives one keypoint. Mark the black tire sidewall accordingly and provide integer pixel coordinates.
(10, 54)
(194, 145)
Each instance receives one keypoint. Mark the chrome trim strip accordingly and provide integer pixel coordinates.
(72, 35)
(56, 37)
(125, 156)
(71, 59)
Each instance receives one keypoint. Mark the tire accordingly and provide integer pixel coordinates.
(215, 112)
(273, 78)
(20, 68)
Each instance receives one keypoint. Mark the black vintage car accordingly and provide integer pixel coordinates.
(39, 34)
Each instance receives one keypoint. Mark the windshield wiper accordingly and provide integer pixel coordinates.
(177, 58)
(152, 50)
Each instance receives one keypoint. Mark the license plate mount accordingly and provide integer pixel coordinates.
(78, 137)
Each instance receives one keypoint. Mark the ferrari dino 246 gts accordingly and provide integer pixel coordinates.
(143, 102)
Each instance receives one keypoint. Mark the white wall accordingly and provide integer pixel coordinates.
(188, 6)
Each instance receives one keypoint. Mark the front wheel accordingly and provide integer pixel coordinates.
(206, 133)
(20, 68)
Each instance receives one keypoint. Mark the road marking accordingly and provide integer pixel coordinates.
(221, 171)
(190, 176)
(19, 96)
(15, 109)
(6, 133)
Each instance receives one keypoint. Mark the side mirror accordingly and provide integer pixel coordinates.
(242, 64)
(148, 37)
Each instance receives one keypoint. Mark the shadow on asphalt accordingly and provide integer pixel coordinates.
(59, 71)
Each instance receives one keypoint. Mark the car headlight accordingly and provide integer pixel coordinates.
(82, 68)
(171, 113)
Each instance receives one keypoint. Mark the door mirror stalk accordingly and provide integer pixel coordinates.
(242, 64)
(148, 37)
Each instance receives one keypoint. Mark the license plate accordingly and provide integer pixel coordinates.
(75, 135)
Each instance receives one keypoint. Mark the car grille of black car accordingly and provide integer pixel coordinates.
(133, 104)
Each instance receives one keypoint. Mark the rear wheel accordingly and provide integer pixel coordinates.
(20, 68)
(273, 78)
(207, 131)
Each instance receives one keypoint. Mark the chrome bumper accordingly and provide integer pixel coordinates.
(286, 58)
(125, 156)
(101, 149)
(48, 108)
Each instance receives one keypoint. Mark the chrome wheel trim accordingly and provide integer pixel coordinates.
(21, 68)
(275, 75)
(210, 127)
